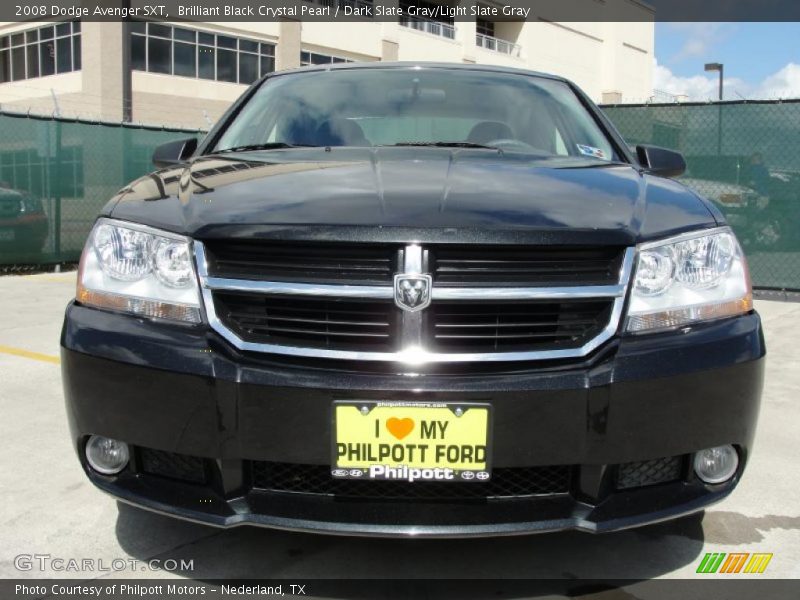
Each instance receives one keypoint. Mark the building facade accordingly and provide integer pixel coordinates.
(187, 74)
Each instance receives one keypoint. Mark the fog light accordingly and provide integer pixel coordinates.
(105, 455)
(715, 465)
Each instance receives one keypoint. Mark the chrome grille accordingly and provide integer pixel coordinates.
(317, 322)
(310, 263)
(515, 326)
(306, 312)
(515, 266)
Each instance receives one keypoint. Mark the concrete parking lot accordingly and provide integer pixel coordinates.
(48, 507)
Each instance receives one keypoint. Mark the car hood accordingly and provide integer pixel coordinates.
(430, 194)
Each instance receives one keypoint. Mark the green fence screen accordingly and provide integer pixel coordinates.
(55, 175)
(745, 158)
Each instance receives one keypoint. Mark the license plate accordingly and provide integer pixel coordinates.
(7, 235)
(410, 441)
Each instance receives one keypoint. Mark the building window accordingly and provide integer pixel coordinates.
(159, 48)
(312, 58)
(484, 27)
(40, 52)
(443, 26)
(485, 37)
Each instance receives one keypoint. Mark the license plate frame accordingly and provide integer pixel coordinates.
(347, 413)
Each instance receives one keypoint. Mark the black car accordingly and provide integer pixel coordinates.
(23, 225)
(413, 299)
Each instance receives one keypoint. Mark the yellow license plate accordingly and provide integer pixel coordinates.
(405, 441)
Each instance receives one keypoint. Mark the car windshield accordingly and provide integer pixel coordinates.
(418, 106)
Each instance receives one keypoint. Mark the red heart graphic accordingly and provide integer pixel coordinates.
(400, 428)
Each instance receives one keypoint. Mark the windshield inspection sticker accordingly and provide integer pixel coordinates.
(592, 151)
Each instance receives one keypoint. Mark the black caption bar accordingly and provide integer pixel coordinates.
(391, 10)
(374, 589)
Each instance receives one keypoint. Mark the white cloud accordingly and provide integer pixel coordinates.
(697, 87)
(785, 83)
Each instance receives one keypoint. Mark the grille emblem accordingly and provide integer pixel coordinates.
(412, 292)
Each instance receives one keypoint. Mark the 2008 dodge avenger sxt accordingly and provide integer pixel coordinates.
(413, 299)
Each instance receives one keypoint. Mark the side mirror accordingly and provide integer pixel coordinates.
(660, 161)
(174, 153)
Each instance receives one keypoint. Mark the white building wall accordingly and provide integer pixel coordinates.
(357, 41)
(566, 50)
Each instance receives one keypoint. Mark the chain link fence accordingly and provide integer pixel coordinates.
(745, 158)
(56, 175)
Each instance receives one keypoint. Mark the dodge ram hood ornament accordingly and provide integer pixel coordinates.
(412, 292)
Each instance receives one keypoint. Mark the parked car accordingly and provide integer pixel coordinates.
(763, 221)
(759, 202)
(727, 196)
(23, 225)
(413, 300)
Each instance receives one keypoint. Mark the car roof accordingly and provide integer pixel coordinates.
(419, 65)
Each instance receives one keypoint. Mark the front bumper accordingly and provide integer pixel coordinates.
(184, 390)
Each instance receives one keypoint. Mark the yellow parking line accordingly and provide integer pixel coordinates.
(28, 354)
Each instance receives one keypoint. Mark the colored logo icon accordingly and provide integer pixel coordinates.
(734, 562)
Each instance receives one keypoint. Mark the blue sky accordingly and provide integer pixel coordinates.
(761, 59)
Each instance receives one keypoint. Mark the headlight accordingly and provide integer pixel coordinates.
(692, 277)
(140, 270)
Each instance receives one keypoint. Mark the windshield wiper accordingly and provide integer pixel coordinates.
(445, 145)
(266, 146)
